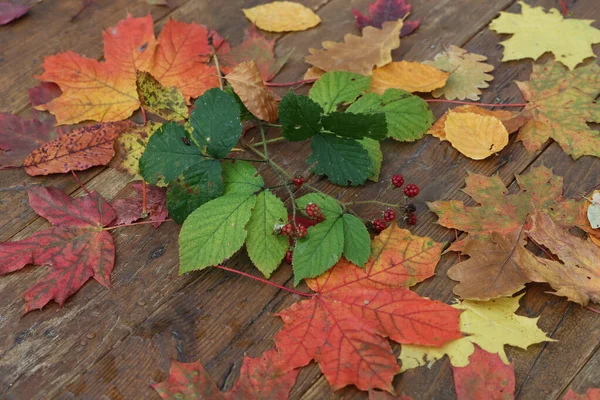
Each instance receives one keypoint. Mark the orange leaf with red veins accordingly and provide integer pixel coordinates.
(76, 248)
(260, 378)
(181, 56)
(591, 394)
(131, 209)
(246, 82)
(76, 151)
(485, 378)
(345, 325)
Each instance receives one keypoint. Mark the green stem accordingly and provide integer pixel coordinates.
(352, 203)
(268, 141)
(218, 67)
(273, 125)
(244, 159)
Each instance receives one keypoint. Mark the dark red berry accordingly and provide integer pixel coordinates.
(411, 219)
(398, 180)
(298, 181)
(411, 208)
(288, 256)
(389, 215)
(379, 225)
(314, 212)
(300, 231)
(411, 190)
(287, 230)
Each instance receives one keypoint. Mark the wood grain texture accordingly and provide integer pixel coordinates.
(114, 342)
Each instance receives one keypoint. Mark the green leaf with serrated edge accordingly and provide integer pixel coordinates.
(356, 126)
(374, 149)
(265, 248)
(328, 205)
(319, 250)
(335, 88)
(166, 102)
(214, 232)
(357, 242)
(199, 184)
(245, 115)
(408, 116)
(343, 160)
(216, 122)
(241, 177)
(167, 155)
(300, 117)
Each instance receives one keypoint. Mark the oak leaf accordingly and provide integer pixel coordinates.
(536, 32)
(247, 83)
(76, 248)
(476, 136)
(282, 16)
(560, 103)
(468, 73)
(491, 325)
(409, 76)
(387, 10)
(359, 54)
(344, 325)
(260, 378)
(590, 394)
(10, 11)
(76, 151)
(131, 209)
(486, 377)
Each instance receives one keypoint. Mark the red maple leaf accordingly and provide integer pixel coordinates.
(76, 248)
(130, 209)
(260, 378)
(345, 325)
(387, 10)
(591, 394)
(485, 377)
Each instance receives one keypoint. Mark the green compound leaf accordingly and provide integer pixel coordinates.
(265, 248)
(167, 155)
(335, 88)
(328, 205)
(319, 250)
(241, 177)
(300, 117)
(356, 126)
(357, 242)
(343, 160)
(214, 232)
(216, 122)
(166, 102)
(408, 116)
(200, 183)
(374, 149)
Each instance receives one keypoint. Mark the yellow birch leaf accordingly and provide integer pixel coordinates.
(282, 16)
(475, 136)
(409, 76)
(489, 324)
(247, 83)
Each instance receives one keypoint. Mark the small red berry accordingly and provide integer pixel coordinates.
(300, 231)
(379, 225)
(389, 215)
(398, 180)
(287, 230)
(411, 190)
(288, 256)
(411, 219)
(298, 181)
(314, 212)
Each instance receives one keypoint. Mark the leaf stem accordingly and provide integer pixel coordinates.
(85, 5)
(109, 228)
(217, 66)
(235, 271)
(80, 183)
(285, 84)
(244, 159)
(144, 199)
(381, 203)
(272, 125)
(145, 119)
(264, 141)
(277, 139)
(475, 103)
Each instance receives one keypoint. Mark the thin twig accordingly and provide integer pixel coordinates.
(563, 6)
(85, 5)
(268, 141)
(235, 271)
(80, 183)
(475, 103)
(144, 199)
(285, 84)
(244, 159)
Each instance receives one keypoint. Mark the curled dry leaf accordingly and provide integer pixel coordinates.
(282, 16)
(476, 136)
(387, 10)
(409, 76)
(467, 73)
(359, 54)
(76, 151)
(247, 83)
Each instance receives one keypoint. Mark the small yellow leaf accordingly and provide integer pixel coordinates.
(409, 76)
(475, 136)
(282, 16)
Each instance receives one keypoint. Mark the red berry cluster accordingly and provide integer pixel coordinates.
(411, 190)
(379, 225)
(313, 211)
(298, 181)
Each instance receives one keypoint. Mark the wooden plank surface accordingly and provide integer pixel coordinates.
(113, 342)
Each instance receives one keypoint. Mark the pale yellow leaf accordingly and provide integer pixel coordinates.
(282, 16)
(409, 76)
(476, 136)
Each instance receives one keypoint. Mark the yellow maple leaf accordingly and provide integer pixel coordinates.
(282, 16)
(490, 324)
(476, 136)
(536, 32)
(359, 54)
(409, 76)
(247, 83)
